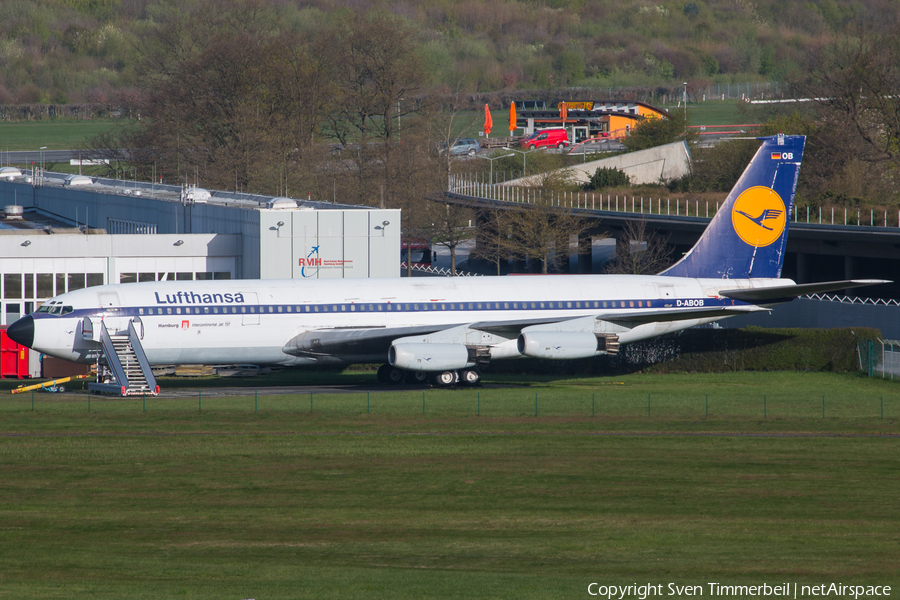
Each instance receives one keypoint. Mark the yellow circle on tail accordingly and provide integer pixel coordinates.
(759, 216)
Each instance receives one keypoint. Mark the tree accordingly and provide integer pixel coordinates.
(640, 251)
(656, 131)
(489, 224)
(450, 227)
(229, 102)
(854, 80)
(540, 232)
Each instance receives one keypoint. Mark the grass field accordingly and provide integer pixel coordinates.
(212, 497)
(56, 135)
(72, 134)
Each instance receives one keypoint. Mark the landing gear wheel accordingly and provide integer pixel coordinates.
(470, 377)
(382, 373)
(416, 377)
(446, 378)
(395, 375)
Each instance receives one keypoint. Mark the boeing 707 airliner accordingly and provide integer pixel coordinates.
(447, 329)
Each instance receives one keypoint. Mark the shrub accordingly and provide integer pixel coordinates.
(607, 177)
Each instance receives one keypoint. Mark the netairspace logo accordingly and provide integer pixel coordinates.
(720, 590)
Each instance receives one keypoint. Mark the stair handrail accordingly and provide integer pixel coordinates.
(112, 357)
(142, 358)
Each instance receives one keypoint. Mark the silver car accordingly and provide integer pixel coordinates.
(464, 146)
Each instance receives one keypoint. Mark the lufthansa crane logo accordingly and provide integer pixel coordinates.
(758, 216)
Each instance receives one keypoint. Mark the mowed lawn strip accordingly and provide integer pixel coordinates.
(748, 402)
(428, 516)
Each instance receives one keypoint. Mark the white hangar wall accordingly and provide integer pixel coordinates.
(329, 244)
(351, 241)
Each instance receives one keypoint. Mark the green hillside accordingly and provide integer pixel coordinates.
(75, 51)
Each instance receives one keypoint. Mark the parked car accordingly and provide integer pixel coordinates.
(546, 138)
(464, 146)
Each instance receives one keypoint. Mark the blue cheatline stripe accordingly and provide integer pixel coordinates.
(402, 307)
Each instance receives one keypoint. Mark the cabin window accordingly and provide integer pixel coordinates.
(281, 308)
(205, 310)
(187, 310)
(343, 308)
(568, 305)
(622, 304)
(631, 304)
(640, 304)
(215, 310)
(271, 309)
(578, 305)
(177, 310)
(604, 304)
(515, 305)
(243, 309)
(380, 307)
(140, 311)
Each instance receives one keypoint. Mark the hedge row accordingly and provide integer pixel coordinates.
(720, 350)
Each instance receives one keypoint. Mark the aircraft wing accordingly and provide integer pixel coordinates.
(793, 291)
(375, 341)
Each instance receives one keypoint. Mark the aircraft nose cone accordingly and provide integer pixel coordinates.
(22, 331)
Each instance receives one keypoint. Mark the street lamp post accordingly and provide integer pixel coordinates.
(492, 159)
(42, 163)
(524, 155)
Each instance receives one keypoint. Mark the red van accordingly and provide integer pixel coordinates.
(546, 138)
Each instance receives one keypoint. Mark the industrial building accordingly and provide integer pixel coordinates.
(61, 235)
(589, 119)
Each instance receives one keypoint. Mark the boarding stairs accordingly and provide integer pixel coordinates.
(126, 364)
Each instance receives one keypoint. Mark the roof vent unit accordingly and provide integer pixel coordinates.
(14, 212)
(281, 204)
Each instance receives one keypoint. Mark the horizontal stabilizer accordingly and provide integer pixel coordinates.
(792, 291)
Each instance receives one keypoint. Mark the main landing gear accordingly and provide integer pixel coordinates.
(394, 376)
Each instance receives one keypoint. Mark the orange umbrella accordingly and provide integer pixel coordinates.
(512, 117)
(488, 121)
(563, 112)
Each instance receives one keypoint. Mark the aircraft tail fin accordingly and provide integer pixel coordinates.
(748, 236)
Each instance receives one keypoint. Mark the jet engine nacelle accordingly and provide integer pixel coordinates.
(430, 357)
(563, 345)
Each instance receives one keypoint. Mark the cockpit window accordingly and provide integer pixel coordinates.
(67, 310)
(45, 308)
(55, 310)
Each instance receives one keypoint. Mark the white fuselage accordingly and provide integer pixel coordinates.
(244, 321)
